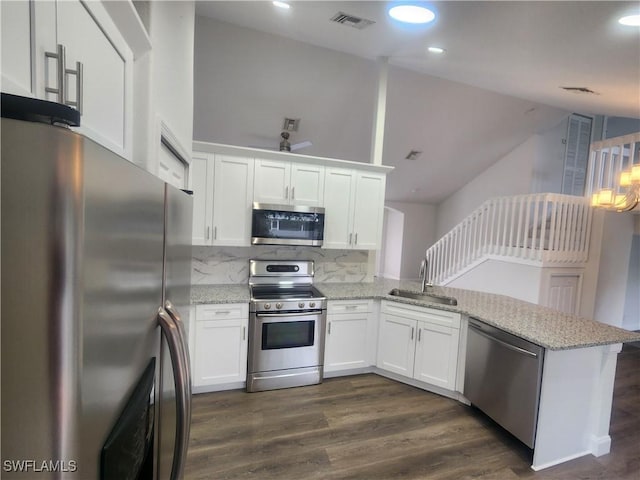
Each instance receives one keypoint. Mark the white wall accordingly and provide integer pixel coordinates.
(419, 234)
(164, 79)
(510, 175)
(171, 29)
(504, 278)
(392, 237)
(548, 167)
(617, 235)
(631, 315)
(247, 82)
(534, 166)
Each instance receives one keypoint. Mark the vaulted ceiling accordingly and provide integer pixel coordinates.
(498, 82)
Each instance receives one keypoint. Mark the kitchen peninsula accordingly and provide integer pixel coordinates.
(579, 362)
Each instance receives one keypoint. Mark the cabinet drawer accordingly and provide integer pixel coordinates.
(222, 311)
(425, 314)
(349, 306)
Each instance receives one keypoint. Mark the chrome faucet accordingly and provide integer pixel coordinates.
(424, 267)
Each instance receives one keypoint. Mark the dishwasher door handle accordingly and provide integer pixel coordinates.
(502, 342)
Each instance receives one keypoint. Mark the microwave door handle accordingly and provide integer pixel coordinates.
(182, 384)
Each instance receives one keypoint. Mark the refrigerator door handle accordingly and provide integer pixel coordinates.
(171, 310)
(181, 375)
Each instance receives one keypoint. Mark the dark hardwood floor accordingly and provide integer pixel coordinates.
(368, 427)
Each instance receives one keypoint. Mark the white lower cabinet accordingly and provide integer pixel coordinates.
(420, 343)
(348, 335)
(220, 345)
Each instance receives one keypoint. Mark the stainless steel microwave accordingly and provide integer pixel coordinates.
(287, 225)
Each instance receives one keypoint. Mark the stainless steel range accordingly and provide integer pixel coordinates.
(287, 316)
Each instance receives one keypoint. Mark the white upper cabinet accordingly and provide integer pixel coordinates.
(23, 62)
(222, 196)
(232, 200)
(201, 183)
(287, 183)
(71, 52)
(354, 204)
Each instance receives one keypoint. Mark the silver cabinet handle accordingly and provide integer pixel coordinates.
(60, 72)
(412, 332)
(329, 329)
(350, 238)
(419, 334)
(293, 193)
(244, 333)
(215, 233)
(208, 233)
(350, 307)
(182, 378)
(356, 240)
(79, 87)
(286, 193)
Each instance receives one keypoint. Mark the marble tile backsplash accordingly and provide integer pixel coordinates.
(216, 265)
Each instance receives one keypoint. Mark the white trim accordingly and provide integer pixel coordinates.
(559, 461)
(600, 445)
(125, 16)
(166, 132)
(208, 147)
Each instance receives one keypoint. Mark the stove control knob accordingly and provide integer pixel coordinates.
(301, 305)
(267, 306)
(278, 306)
(312, 304)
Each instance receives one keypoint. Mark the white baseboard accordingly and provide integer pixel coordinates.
(600, 445)
(558, 461)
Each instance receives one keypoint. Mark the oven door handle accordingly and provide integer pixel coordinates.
(315, 313)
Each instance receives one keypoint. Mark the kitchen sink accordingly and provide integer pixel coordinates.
(427, 297)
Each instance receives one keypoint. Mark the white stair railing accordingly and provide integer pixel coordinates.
(609, 157)
(539, 228)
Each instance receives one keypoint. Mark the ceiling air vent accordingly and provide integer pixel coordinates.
(413, 155)
(351, 20)
(580, 90)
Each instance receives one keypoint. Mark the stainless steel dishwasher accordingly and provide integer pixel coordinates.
(502, 378)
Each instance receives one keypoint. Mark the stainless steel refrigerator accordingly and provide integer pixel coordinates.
(95, 266)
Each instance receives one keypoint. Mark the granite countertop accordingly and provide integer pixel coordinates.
(541, 325)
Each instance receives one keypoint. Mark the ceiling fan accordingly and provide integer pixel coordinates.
(290, 125)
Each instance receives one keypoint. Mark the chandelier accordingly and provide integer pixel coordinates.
(624, 198)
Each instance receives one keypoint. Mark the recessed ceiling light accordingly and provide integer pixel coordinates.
(284, 5)
(436, 50)
(630, 20)
(412, 14)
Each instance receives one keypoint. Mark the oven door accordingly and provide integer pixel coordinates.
(285, 340)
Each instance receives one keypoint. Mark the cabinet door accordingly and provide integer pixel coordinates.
(396, 346)
(90, 37)
(368, 210)
(338, 207)
(436, 355)
(220, 351)
(307, 185)
(201, 182)
(346, 342)
(24, 45)
(232, 199)
(271, 182)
